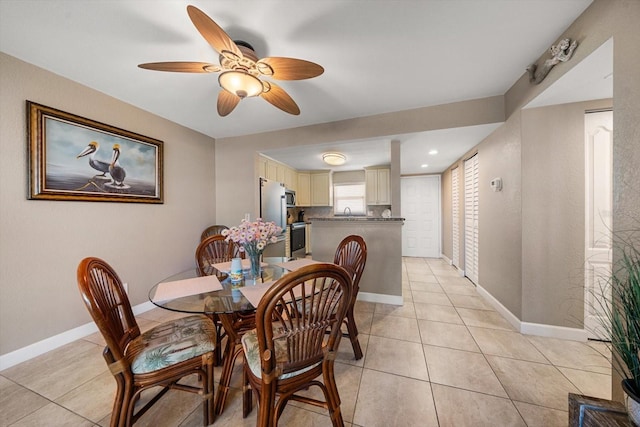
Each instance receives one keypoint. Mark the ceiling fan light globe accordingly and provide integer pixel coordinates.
(240, 83)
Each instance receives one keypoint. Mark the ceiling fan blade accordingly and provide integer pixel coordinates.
(227, 101)
(212, 32)
(276, 96)
(289, 68)
(181, 67)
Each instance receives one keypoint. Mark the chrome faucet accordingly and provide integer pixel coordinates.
(345, 210)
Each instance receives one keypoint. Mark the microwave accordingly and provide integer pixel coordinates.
(290, 196)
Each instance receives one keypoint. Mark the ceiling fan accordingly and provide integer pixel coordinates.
(240, 69)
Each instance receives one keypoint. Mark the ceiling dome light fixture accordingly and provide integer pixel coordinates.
(433, 152)
(334, 159)
(240, 83)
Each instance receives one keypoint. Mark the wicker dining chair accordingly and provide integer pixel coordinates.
(215, 249)
(212, 231)
(289, 349)
(352, 255)
(212, 250)
(161, 356)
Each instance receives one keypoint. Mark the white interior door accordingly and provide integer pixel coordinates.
(471, 205)
(455, 217)
(421, 210)
(598, 171)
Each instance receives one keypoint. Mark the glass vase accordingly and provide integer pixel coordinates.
(255, 264)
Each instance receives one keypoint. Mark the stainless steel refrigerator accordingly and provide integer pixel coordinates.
(273, 207)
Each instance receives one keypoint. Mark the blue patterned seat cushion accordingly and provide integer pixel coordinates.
(252, 355)
(171, 343)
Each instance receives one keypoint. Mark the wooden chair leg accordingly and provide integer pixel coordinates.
(353, 335)
(332, 397)
(208, 391)
(266, 408)
(116, 411)
(247, 398)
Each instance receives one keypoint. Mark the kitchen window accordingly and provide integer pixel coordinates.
(349, 199)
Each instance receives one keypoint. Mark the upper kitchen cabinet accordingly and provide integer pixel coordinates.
(314, 189)
(277, 171)
(272, 171)
(378, 183)
(321, 189)
(303, 192)
(291, 179)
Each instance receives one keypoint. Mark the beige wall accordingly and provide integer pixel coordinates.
(500, 245)
(42, 242)
(499, 216)
(553, 211)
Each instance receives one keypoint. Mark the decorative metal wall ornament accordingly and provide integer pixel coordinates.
(561, 52)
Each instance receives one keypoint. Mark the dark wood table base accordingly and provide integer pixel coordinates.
(235, 325)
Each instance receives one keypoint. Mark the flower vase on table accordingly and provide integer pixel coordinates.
(253, 237)
(254, 257)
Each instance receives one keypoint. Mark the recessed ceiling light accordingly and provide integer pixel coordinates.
(433, 152)
(424, 166)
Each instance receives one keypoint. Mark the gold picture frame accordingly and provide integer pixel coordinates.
(67, 160)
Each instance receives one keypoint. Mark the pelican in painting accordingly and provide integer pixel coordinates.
(117, 172)
(98, 165)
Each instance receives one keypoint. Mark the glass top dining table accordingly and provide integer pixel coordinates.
(229, 299)
(228, 305)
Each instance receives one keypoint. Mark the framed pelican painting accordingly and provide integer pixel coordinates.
(74, 158)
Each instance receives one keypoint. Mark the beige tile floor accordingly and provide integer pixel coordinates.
(444, 358)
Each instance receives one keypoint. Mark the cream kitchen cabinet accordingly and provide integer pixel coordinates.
(321, 189)
(314, 189)
(277, 171)
(272, 170)
(303, 192)
(291, 179)
(378, 186)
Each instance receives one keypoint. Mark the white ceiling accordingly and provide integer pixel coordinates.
(379, 56)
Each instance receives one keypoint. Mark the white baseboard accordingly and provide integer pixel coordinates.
(141, 308)
(528, 328)
(552, 331)
(381, 298)
(497, 305)
(444, 257)
(36, 349)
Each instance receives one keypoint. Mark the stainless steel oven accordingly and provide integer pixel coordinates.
(298, 231)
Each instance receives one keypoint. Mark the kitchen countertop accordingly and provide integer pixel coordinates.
(355, 218)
